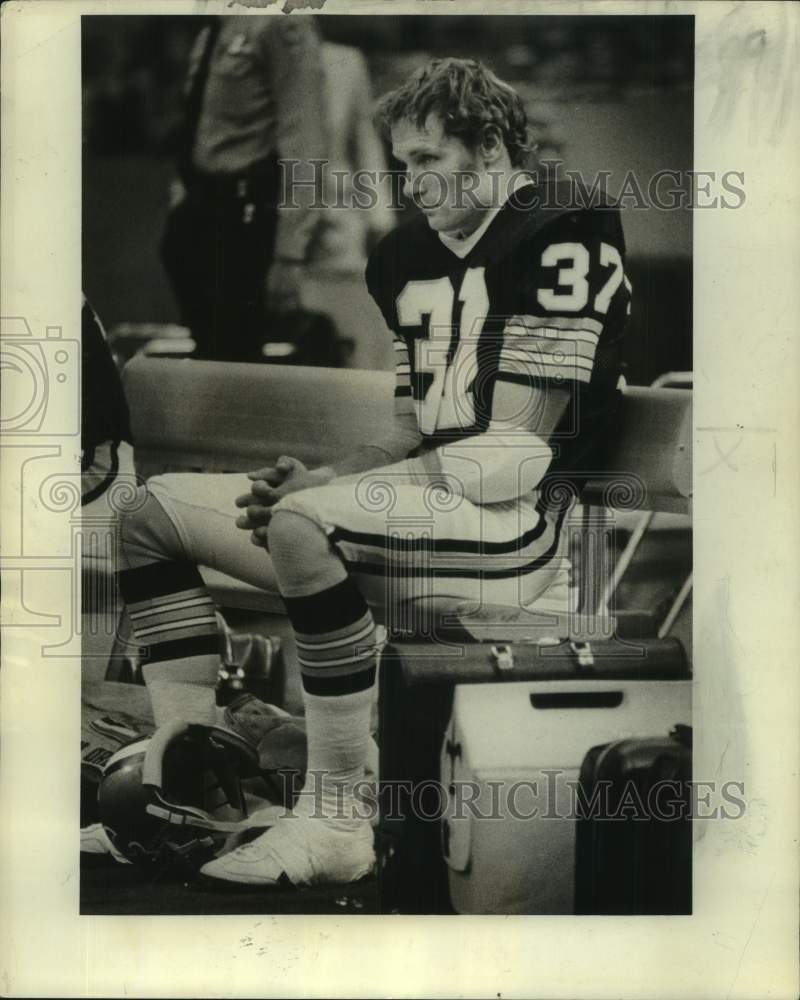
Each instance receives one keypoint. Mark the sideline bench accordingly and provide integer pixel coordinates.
(214, 417)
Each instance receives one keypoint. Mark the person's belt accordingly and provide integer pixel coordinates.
(259, 182)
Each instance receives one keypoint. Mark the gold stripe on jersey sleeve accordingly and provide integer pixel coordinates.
(582, 324)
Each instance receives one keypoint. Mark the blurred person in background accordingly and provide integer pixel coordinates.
(347, 232)
(254, 97)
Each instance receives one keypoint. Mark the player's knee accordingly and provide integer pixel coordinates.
(291, 534)
(297, 545)
(147, 533)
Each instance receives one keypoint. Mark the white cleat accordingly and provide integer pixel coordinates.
(297, 851)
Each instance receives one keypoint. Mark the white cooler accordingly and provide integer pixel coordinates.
(516, 732)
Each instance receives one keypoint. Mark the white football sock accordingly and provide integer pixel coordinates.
(338, 743)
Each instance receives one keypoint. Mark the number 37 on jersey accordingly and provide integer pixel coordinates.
(551, 330)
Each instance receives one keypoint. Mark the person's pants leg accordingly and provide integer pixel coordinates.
(216, 251)
(187, 252)
(245, 243)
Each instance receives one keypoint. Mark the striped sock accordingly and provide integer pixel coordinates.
(173, 617)
(335, 636)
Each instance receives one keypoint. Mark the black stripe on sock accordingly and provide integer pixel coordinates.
(327, 610)
(158, 579)
(179, 649)
(330, 687)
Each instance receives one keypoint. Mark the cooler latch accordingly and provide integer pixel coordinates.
(502, 657)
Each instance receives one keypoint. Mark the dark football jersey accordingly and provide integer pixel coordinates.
(541, 300)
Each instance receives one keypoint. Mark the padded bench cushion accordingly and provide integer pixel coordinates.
(207, 416)
(212, 417)
(655, 447)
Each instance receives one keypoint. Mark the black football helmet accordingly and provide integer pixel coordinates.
(177, 795)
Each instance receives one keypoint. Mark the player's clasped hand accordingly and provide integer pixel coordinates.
(270, 485)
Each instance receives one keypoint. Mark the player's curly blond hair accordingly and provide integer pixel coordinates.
(467, 96)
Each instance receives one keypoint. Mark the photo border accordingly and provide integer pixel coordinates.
(741, 940)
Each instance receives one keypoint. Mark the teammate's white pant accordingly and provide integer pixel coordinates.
(202, 509)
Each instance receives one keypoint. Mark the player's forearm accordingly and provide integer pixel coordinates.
(362, 459)
(394, 447)
(500, 464)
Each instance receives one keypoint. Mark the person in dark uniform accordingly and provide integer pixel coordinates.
(254, 97)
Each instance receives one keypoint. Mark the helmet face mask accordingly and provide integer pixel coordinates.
(177, 796)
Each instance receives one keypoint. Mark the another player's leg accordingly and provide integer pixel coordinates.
(327, 838)
(183, 521)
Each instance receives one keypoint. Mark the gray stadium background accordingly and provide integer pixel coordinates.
(603, 93)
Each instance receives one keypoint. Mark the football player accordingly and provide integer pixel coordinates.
(508, 302)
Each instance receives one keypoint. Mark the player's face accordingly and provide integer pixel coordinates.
(446, 180)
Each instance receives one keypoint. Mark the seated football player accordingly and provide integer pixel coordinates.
(508, 307)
